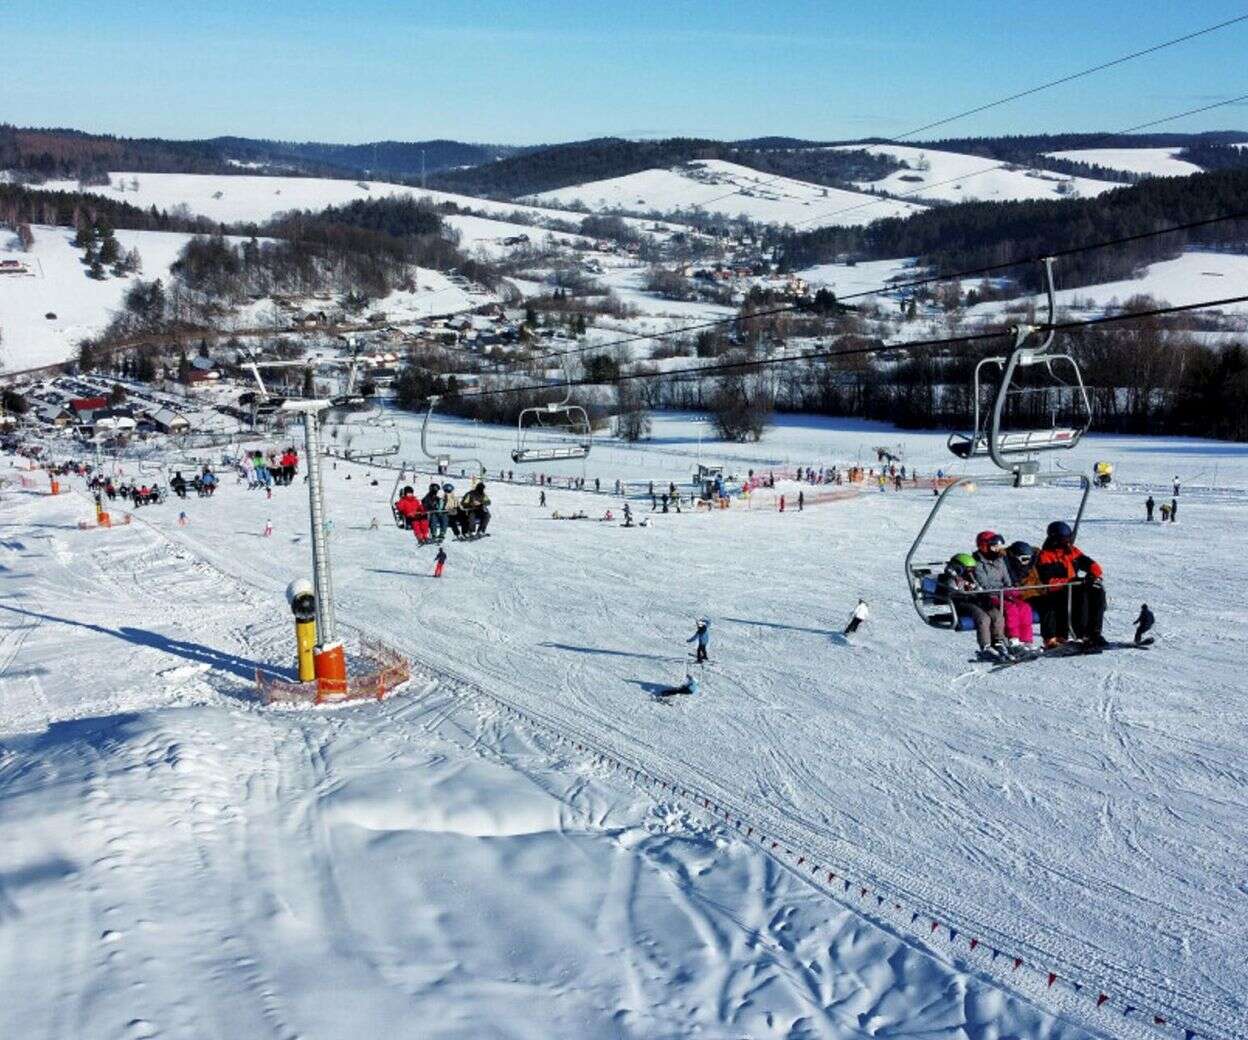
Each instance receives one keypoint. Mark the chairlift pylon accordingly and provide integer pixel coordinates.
(1011, 451)
(574, 419)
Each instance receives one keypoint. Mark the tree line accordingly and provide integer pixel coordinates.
(981, 234)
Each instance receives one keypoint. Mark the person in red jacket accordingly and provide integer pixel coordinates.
(406, 506)
(1077, 597)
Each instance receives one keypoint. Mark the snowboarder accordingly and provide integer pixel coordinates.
(689, 686)
(439, 562)
(541, 499)
(268, 529)
(1143, 623)
(1149, 505)
(702, 636)
(860, 614)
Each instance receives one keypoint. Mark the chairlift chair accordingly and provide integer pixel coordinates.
(571, 419)
(444, 462)
(1011, 451)
(988, 436)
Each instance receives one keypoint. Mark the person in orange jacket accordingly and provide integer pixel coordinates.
(1068, 572)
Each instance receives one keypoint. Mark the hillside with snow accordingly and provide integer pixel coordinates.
(727, 188)
(252, 199)
(1150, 162)
(51, 304)
(953, 177)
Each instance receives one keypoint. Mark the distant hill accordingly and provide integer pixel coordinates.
(56, 153)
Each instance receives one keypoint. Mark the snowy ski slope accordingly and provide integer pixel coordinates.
(729, 188)
(1153, 162)
(954, 177)
(1088, 814)
(178, 862)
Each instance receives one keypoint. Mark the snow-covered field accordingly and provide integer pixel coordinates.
(729, 188)
(954, 177)
(1155, 162)
(176, 860)
(1191, 278)
(59, 285)
(242, 198)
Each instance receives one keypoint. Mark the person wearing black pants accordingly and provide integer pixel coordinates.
(1174, 509)
(1144, 622)
(1149, 505)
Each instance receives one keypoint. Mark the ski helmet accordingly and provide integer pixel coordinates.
(964, 560)
(986, 540)
(1060, 531)
(1021, 551)
(448, 487)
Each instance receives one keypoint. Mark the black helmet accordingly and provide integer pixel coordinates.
(1059, 530)
(1021, 551)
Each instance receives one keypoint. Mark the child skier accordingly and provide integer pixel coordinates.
(1143, 623)
(860, 614)
(438, 562)
(268, 528)
(702, 636)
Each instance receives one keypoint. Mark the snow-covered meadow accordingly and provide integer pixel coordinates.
(731, 189)
(44, 314)
(202, 866)
(955, 177)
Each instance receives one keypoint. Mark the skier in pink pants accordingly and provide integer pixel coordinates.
(1020, 557)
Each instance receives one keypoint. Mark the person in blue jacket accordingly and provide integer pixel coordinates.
(702, 636)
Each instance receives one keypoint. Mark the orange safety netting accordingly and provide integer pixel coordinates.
(386, 670)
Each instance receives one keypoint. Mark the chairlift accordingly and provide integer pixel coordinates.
(1011, 451)
(407, 471)
(988, 435)
(570, 420)
(444, 462)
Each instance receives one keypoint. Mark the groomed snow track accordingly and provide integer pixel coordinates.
(1077, 984)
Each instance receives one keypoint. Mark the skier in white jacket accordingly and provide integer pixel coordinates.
(860, 614)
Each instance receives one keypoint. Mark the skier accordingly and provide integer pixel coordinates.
(1018, 621)
(992, 575)
(860, 614)
(268, 528)
(1149, 505)
(956, 586)
(702, 636)
(182, 519)
(1061, 564)
(438, 562)
(1143, 623)
(628, 515)
(801, 501)
(1174, 510)
(541, 499)
(1165, 513)
(1176, 487)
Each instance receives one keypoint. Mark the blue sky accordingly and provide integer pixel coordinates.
(529, 71)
